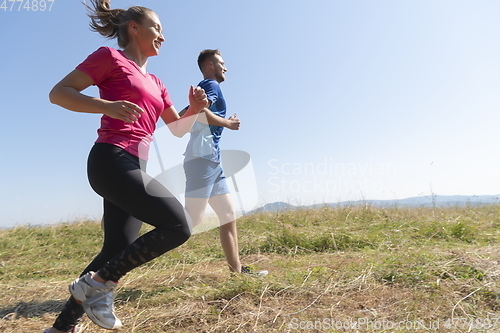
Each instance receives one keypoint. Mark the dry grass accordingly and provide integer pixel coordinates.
(362, 265)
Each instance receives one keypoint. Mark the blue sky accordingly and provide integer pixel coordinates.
(338, 100)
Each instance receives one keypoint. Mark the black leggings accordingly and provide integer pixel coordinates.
(130, 197)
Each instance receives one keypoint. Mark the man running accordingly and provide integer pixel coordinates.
(205, 180)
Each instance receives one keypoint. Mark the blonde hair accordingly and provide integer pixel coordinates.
(113, 23)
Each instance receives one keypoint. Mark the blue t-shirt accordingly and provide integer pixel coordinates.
(204, 139)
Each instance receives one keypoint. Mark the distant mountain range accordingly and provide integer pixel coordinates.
(427, 201)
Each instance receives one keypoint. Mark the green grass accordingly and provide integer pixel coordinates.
(393, 264)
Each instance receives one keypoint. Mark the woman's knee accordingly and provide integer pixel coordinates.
(184, 233)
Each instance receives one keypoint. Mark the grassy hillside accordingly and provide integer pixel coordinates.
(349, 269)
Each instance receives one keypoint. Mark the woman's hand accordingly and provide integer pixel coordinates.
(123, 110)
(197, 98)
(67, 94)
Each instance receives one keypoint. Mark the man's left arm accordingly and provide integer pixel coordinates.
(208, 117)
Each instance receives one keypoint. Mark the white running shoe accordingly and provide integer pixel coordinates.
(98, 302)
(246, 270)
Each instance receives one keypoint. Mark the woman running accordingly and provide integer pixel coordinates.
(131, 101)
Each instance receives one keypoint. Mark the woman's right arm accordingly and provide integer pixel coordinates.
(178, 125)
(67, 94)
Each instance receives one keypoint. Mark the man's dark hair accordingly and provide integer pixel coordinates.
(207, 55)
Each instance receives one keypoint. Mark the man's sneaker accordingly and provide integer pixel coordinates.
(75, 329)
(246, 270)
(96, 301)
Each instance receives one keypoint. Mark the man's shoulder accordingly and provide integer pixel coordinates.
(209, 83)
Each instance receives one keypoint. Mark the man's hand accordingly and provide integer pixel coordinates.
(233, 123)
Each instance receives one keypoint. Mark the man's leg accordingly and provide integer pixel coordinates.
(196, 208)
(223, 207)
(198, 173)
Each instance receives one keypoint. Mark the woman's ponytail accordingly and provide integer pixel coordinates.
(112, 23)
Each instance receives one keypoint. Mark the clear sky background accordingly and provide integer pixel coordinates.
(339, 100)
